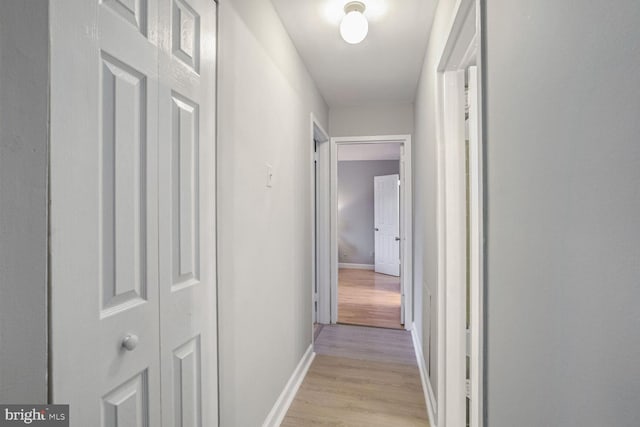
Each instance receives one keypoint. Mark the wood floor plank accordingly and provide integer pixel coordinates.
(360, 377)
(359, 342)
(317, 327)
(368, 298)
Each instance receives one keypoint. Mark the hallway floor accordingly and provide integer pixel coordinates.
(368, 298)
(360, 377)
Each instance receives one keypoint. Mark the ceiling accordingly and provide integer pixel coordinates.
(383, 69)
(386, 151)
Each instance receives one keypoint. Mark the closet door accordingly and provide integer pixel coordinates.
(104, 212)
(187, 212)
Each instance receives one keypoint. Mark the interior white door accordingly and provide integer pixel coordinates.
(387, 224)
(132, 130)
(187, 212)
(104, 209)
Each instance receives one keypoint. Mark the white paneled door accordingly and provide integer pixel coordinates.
(132, 214)
(387, 224)
(187, 259)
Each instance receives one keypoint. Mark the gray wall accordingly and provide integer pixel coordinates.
(24, 35)
(355, 199)
(371, 120)
(562, 208)
(265, 100)
(563, 213)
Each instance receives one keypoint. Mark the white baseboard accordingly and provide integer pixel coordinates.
(279, 410)
(356, 266)
(429, 397)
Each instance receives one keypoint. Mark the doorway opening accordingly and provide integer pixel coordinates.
(368, 220)
(328, 203)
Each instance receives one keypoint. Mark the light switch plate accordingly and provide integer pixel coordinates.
(269, 175)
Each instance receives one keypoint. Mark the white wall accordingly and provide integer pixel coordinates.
(24, 34)
(425, 194)
(264, 250)
(371, 120)
(356, 207)
(563, 213)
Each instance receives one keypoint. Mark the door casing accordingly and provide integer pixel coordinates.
(406, 224)
(462, 49)
(319, 213)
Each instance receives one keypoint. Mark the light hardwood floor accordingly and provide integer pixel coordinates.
(360, 377)
(317, 327)
(368, 298)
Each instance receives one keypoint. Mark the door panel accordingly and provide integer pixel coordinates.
(187, 212)
(187, 383)
(103, 215)
(132, 11)
(123, 185)
(128, 404)
(185, 34)
(132, 212)
(184, 197)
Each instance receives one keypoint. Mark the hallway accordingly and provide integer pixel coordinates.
(360, 377)
(172, 224)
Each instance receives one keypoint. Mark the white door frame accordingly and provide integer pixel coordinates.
(320, 242)
(406, 225)
(462, 49)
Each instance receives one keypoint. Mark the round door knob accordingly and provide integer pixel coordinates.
(130, 342)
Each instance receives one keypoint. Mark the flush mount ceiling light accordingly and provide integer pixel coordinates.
(354, 26)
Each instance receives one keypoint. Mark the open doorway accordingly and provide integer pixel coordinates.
(361, 267)
(369, 256)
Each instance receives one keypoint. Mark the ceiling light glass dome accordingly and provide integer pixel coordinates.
(354, 26)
